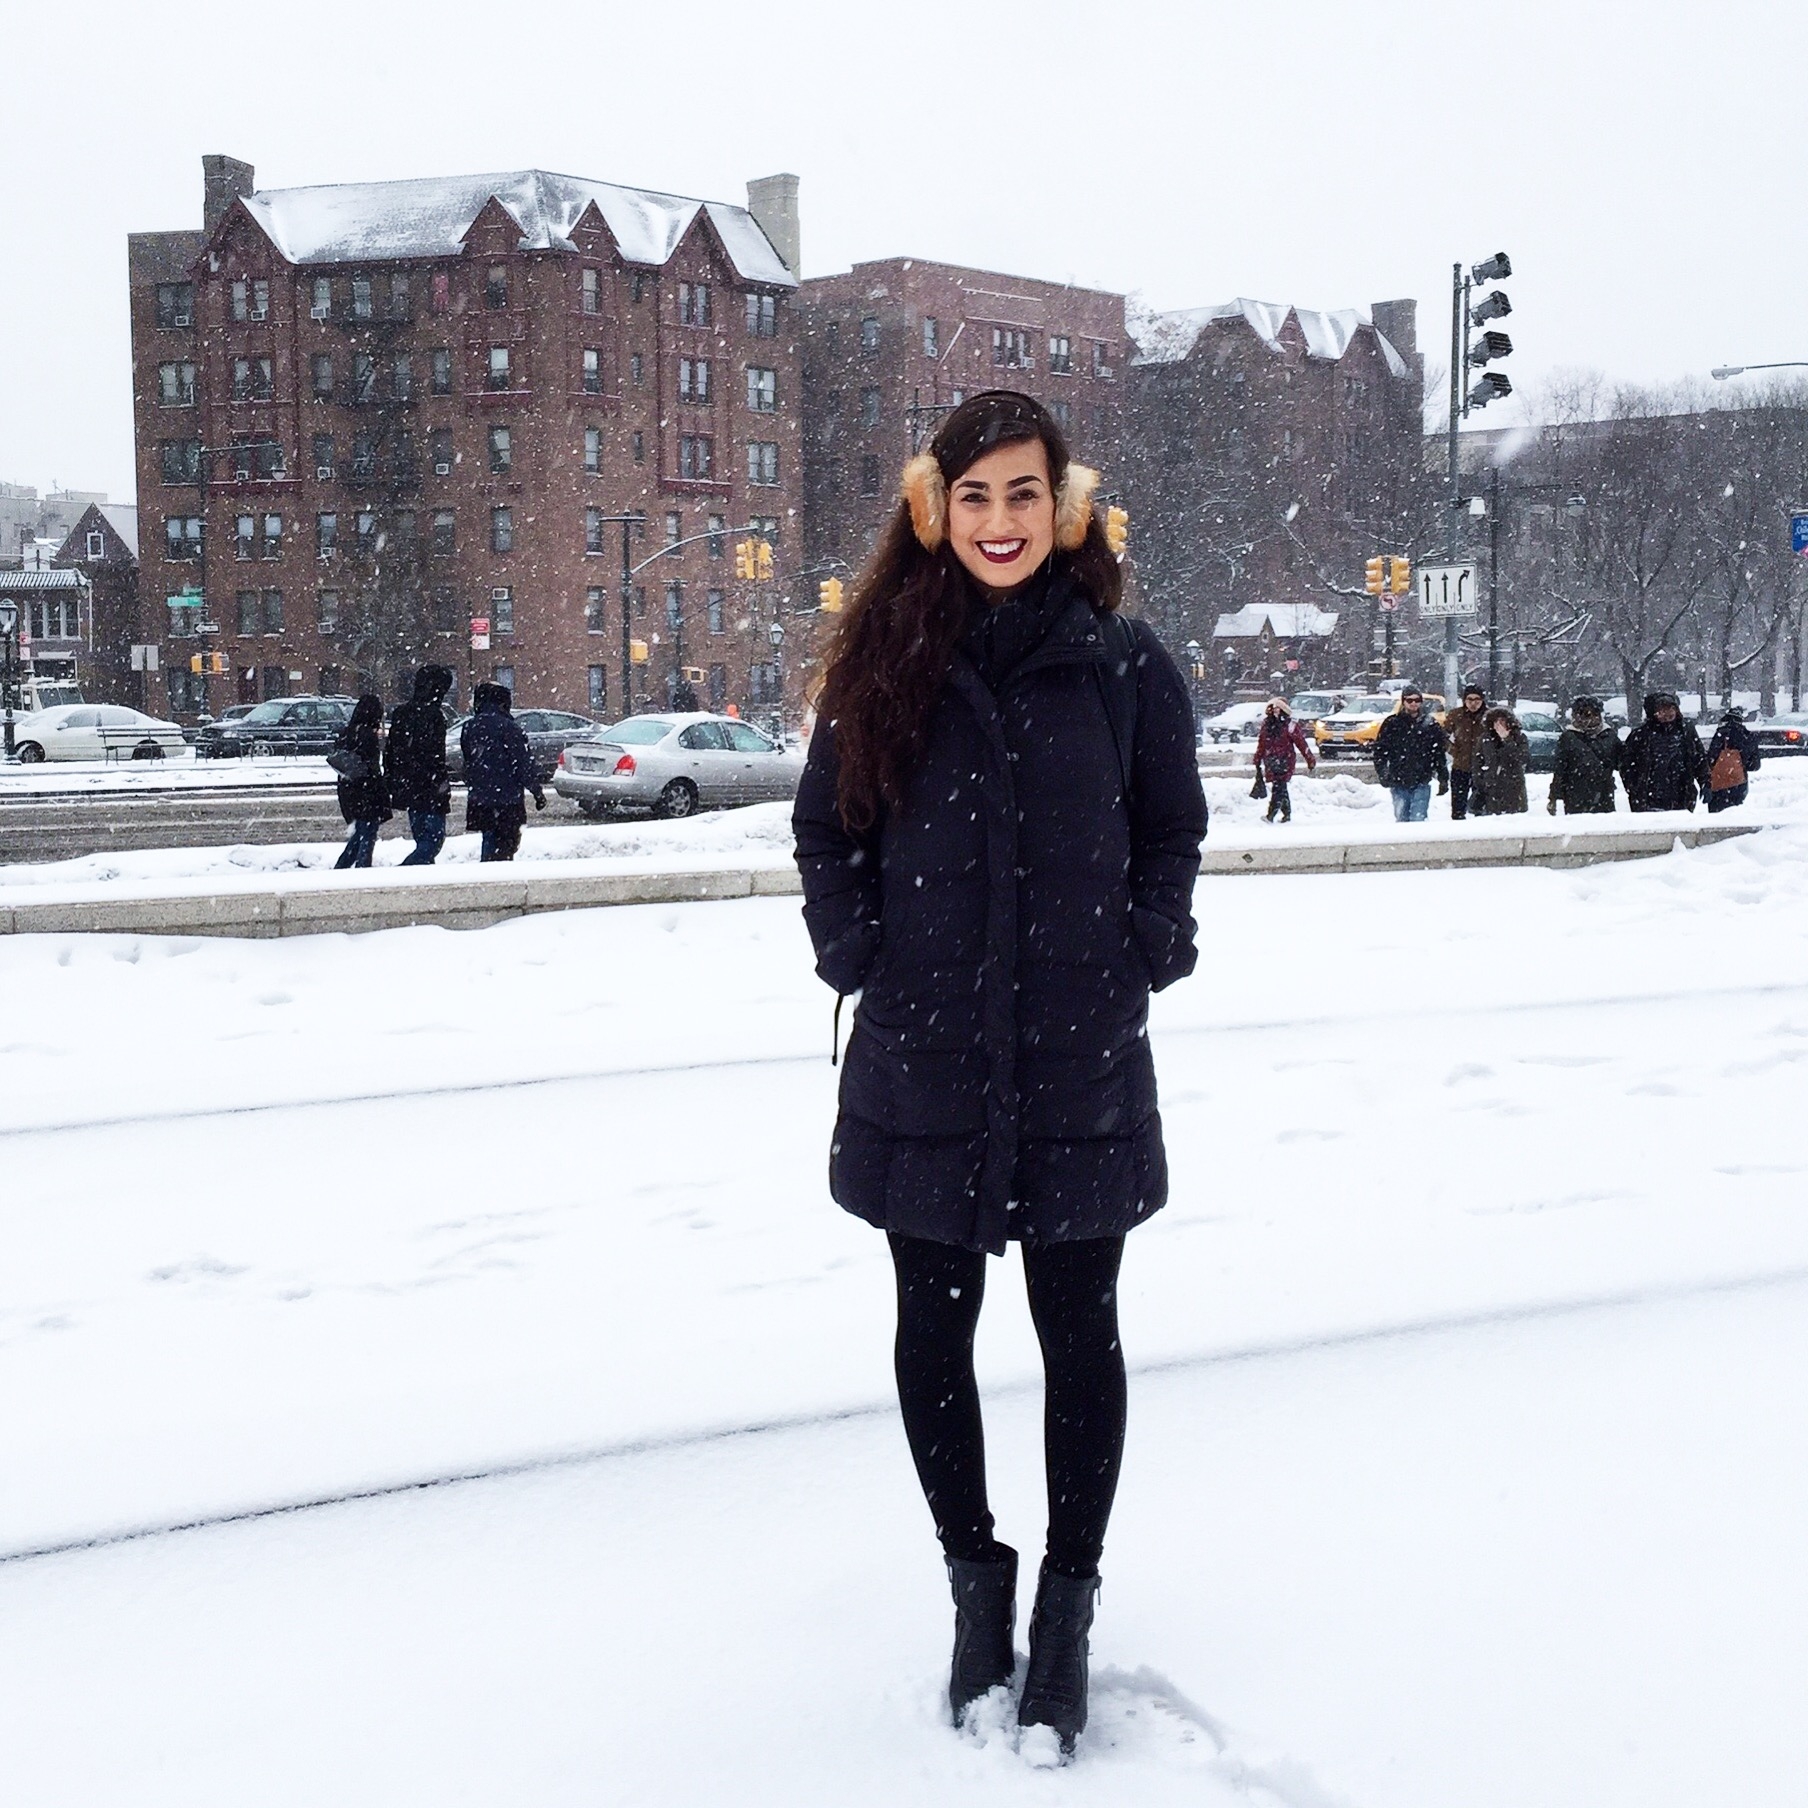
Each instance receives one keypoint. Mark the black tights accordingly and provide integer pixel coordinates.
(1073, 1301)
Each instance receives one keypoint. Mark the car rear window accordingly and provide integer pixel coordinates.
(637, 731)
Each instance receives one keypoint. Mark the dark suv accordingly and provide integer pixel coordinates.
(283, 725)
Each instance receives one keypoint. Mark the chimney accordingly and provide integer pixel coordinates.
(772, 200)
(223, 181)
(1397, 323)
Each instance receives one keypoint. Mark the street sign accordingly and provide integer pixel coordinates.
(480, 633)
(1447, 590)
(1798, 532)
(144, 658)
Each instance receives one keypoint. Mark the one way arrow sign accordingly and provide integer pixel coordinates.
(1447, 590)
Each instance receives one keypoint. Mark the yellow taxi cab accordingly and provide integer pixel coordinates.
(1351, 733)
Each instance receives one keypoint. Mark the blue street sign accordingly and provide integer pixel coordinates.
(1798, 532)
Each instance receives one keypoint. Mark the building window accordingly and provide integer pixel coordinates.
(320, 298)
(183, 535)
(403, 457)
(1101, 358)
(674, 527)
(364, 458)
(596, 611)
(401, 305)
(323, 455)
(364, 525)
(718, 687)
(326, 611)
(696, 456)
(499, 367)
(593, 530)
(501, 451)
(495, 286)
(869, 333)
(439, 366)
(502, 530)
(175, 304)
(320, 369)
(718, 531)
(404, 533)
(273, 536)
(765, 527)
(244, 537)
(637, 370)
(401, 377)
(439, 449)
(445, 609)
(329, 681)
(444, 533)
(364, 377)
(1060, 354)
(869, 408)
(637, 286)
(363, 305)
(590, 291)
(693, 380)
(833, 335)
(693, 304)
(762, 389)
(599, 689)
(715, 607)
(593, 371)
(1011, 347)
(593, 448)
(180, 460)
(762, 316)
(440, 293)
(640, 602)
(54, 618)
(502, 609)
(932, 337)
(674, 604)
(638, 444)
(762, 461)
(251, 300)
(249, 611)
(273, 614)
(869, 475)
(503, 675)
(326, 534)
(252, 380)
(1063, 414)
(96, 543)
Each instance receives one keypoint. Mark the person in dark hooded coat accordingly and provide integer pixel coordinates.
(1662, 761)
(357, 757)
(415, 763)
(1498, 766)
(1729, 779)
(1588, 755)
(499, 767)
(998, 830)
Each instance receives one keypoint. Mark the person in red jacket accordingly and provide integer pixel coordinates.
(1279, 743)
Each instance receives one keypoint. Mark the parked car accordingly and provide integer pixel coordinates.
(549, 732)
(675, 764)
(93, 731)
(1781, 734)
(1237, 723)
(284, 725)
(1311, 707)
(1541, 731)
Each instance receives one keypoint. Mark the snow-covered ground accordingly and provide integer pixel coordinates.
(1467, 1455)
(177, 772)
(1336, 808)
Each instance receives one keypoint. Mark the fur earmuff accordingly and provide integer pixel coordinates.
(927, 494)
(1073, 506)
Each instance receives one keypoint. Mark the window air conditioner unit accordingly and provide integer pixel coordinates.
(317, 312)
(499, 596)
(442, 470)
(323, 470)
(182, 320)
(260, 313)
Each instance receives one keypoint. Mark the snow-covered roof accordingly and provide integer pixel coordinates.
(1167, 338)
(429, 216)
(122, 517)
(1286, 621)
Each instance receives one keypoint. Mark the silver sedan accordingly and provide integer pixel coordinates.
(675, 764)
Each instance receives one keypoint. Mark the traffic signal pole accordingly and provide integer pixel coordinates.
(1459, 309)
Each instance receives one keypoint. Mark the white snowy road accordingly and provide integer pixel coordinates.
(1550, 1557)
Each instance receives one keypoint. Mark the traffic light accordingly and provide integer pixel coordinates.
(1377, 578)
(1491, 388)
(762, 561)
(828, 596)
(637, 651)
(743, 559)
(1489, 346)
(1495, 269)
(1117, 529)
(195, 664)
(1401, 576)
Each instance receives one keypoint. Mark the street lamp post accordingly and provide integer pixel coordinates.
(9, 633)
(1195, 655)
(776, 634)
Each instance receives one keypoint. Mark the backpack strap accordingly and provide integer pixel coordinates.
(1116, 679)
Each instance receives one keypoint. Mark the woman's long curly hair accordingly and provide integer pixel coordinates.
(889, 657)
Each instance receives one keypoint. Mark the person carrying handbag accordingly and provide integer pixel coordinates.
(357, 757)
(1279, 743)
(1733, 756)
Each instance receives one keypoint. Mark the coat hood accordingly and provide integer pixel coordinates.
(492, 700)
(1657, 699)
(432, 684)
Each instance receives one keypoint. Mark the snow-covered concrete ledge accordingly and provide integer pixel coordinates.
(314, 900)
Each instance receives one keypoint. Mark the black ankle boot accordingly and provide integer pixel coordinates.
(1054, 1691)
(985, 1618)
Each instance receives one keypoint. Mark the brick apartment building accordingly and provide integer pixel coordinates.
(1268, 451)
(890, 347)
(367, 414)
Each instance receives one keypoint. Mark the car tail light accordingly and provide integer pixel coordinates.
(561, 759)
(1792, 734)
(624, 767)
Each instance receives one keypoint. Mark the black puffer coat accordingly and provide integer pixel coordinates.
(1663, 764)
(1005, 928)
(499, 766)
(364, 798)
(415, 758)
(1582, 779)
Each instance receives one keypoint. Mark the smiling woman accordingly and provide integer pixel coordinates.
(999, 830)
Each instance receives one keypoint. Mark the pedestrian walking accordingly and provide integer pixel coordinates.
(1279, 743)
(1464, 728)
(1499, 769)
(1663, 761)
(1733, 755)
(499, 768)
(1588, 755)
(998, 830)
(1409, 754)
(357, 757)
(414, 761)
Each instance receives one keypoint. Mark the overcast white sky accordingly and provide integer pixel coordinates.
(1644, 165)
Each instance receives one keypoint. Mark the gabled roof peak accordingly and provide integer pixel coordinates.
(1167, 338)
